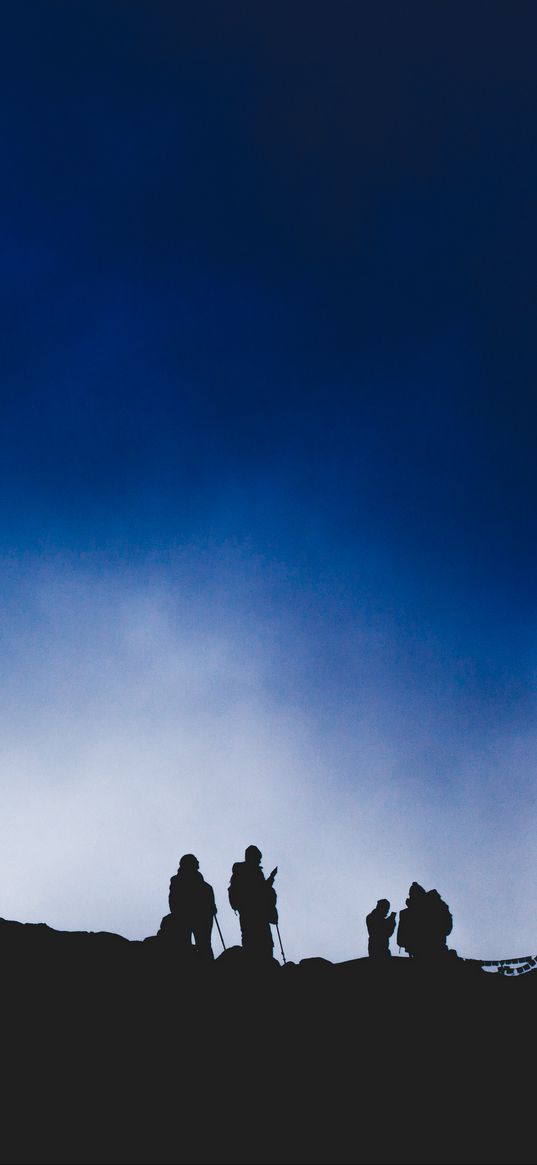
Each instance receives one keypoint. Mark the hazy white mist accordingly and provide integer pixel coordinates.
(154, 710)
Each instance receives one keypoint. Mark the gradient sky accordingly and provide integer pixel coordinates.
(268, 538)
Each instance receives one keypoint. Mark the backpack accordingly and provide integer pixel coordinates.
(234, 893)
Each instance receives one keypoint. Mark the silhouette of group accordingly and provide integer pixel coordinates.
(424, 923)
(193, 907)
(423, 928)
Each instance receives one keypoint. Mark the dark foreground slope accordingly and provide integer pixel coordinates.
(112, 1052)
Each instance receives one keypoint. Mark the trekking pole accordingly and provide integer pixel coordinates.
(220, 932)
(281, 946)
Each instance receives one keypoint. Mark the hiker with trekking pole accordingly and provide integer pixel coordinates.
(192, 905)
(254, 898)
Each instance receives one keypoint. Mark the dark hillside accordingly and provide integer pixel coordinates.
(113, 1052)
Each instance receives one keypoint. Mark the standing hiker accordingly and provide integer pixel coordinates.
(380, 927)
(425, 924)
(410, 929)
(192, 909)
(254, 897)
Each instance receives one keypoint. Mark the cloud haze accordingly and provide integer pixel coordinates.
(148, 711)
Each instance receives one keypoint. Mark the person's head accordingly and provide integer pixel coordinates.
(252, 855)
(189, 864)
(416, 891)
(383, 906)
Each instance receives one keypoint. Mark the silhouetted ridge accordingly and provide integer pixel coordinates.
(119, 1051)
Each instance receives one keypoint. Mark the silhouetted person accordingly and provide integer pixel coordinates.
(425, 924)
(254, 897)
(410, 929)
(192, 909)
(380, 927)
(438, 924)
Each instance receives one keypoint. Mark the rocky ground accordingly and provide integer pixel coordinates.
(112, 1051)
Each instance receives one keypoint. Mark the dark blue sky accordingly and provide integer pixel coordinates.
(268, 290)
(294, 247)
